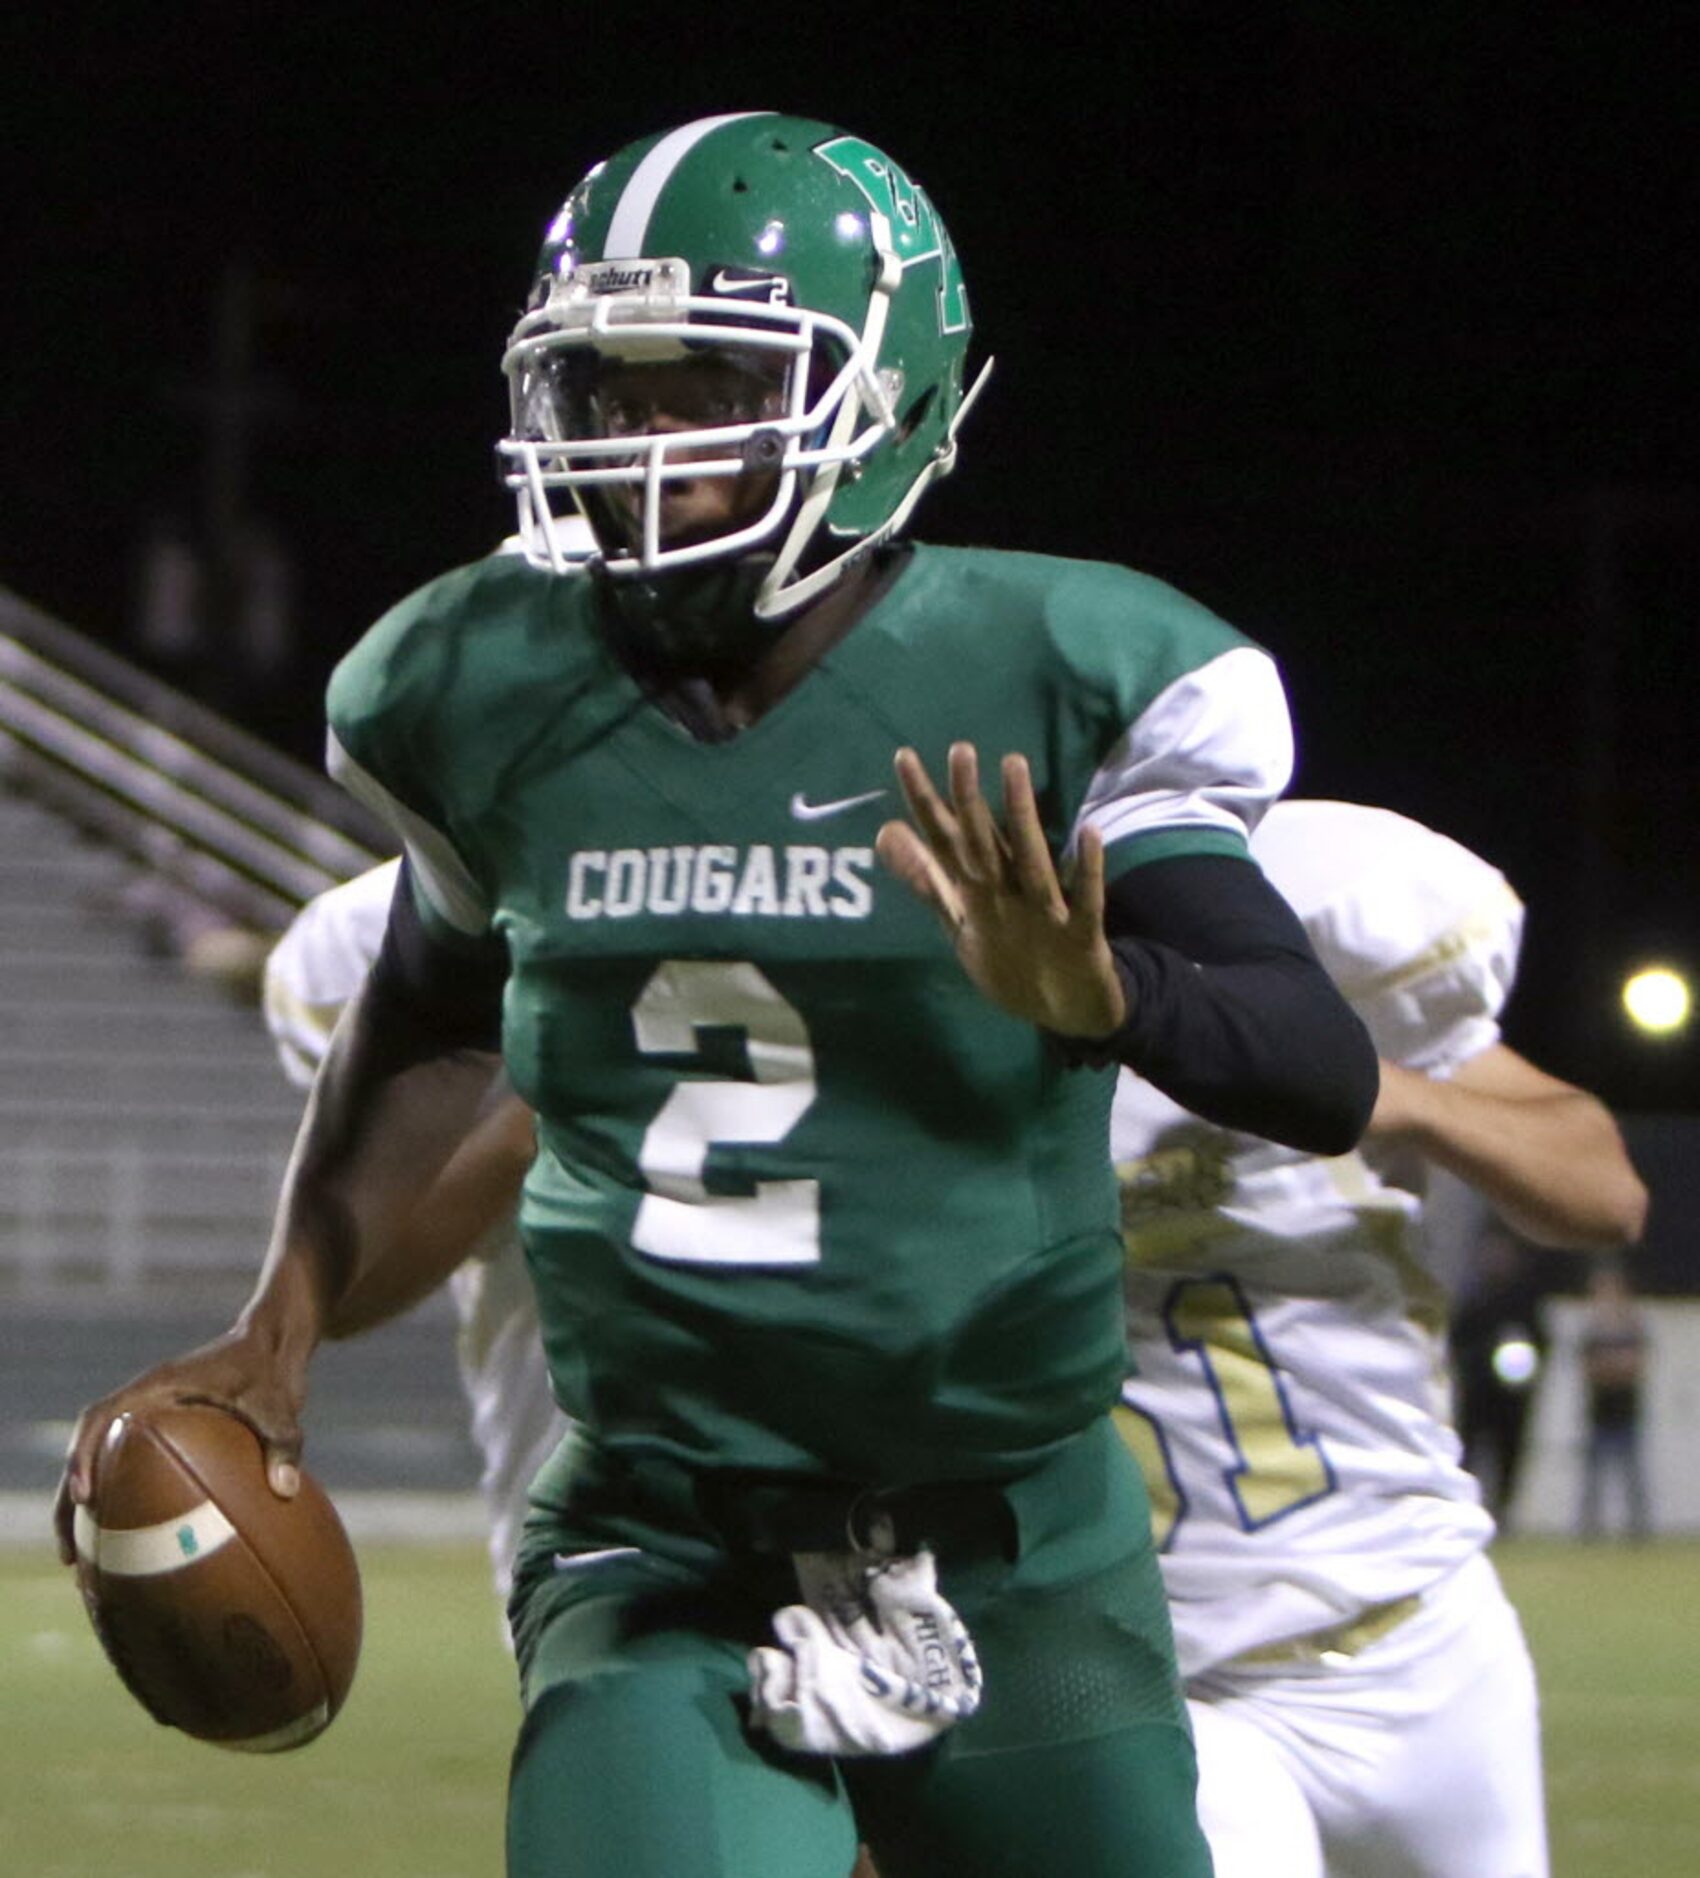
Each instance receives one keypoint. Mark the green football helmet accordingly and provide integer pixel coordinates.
(788, 250)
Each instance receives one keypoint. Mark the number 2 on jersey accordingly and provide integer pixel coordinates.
(679, 1220)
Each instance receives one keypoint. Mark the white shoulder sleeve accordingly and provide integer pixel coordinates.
(439, 872)
(1420, 934)
(319, 964)
(1210, 752)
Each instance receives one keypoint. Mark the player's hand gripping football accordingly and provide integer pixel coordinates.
(1036, 949)
(238, 1372)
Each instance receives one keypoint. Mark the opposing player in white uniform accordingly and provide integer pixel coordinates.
(315, 969)
(1363, 1700)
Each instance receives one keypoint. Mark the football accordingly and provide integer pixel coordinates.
(229, 1613)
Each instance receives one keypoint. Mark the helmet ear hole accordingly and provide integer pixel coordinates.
(916, 415)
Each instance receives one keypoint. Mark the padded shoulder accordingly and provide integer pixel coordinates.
(1419, 933)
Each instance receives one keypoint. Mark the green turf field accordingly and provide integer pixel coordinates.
(1616, 1636)
(408, 1783)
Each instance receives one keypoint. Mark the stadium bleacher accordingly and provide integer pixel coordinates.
(148, 853)
(143, 1123)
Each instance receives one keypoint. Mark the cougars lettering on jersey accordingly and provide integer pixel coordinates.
(760, 882)
(805, 1200)
(1289, 1400)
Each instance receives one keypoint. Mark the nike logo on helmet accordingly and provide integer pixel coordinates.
(806, 811)
(774, 287)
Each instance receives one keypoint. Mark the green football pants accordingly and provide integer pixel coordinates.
(635, 1760)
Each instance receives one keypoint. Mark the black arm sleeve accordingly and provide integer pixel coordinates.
(433, 996)
(1230, 1012)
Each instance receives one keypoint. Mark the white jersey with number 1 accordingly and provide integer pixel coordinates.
(1290, 1398)
(1362, 1698)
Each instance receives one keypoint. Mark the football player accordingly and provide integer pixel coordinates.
(821, 1221)
(1363, 1701)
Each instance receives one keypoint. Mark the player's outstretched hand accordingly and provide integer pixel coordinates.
(235, 1372)
(1035, 949)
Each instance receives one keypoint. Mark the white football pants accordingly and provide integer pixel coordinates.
(1417, 1758)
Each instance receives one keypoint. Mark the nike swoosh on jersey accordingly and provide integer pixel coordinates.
(580, 1561)
(819, 811)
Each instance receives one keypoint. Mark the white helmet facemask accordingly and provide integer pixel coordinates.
(827, 407)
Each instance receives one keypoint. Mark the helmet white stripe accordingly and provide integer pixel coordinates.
(629, 229)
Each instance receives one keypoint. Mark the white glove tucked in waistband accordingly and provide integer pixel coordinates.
(874, 1661)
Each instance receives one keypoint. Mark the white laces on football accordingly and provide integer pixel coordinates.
(873, 1661)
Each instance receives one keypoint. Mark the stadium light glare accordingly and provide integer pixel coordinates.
(1516, 1361)
(1658, 1000)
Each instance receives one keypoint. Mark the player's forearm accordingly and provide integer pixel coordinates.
(477, 1192)
(384, 1118)
(1228, 1010)
(1552, 1164)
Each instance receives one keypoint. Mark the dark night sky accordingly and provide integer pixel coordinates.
(1371, 326)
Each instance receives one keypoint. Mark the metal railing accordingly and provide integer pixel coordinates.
(237, 827)
(123, 1216)
(231, 821)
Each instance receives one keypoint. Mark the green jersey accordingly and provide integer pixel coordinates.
(804, 1200)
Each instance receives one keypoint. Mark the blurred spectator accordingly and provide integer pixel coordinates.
(1614, 1362)
(1499, 1346)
